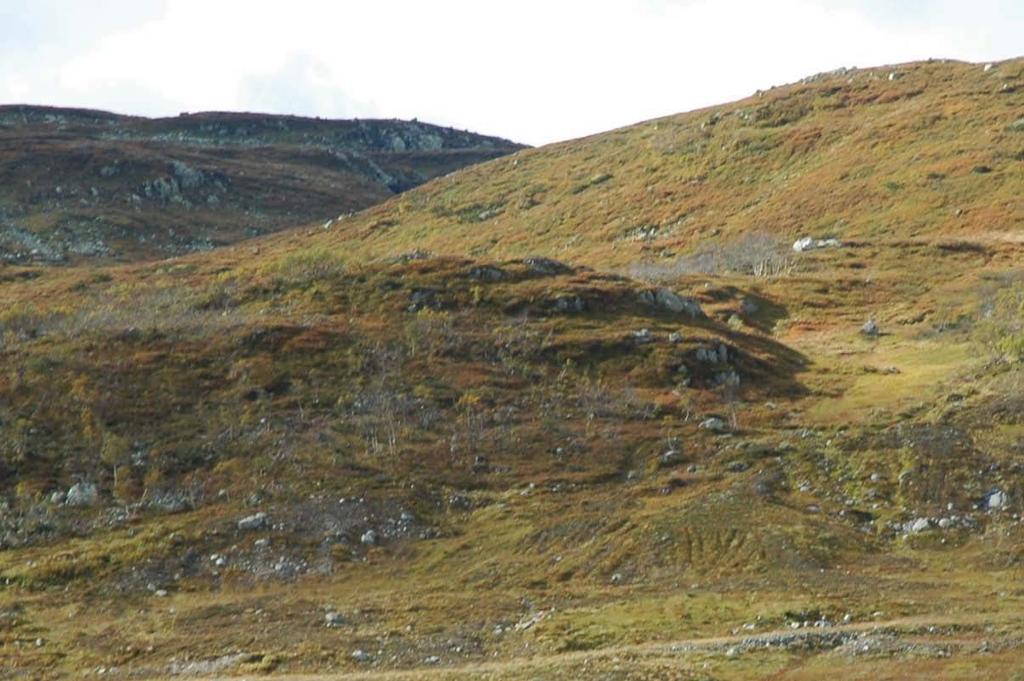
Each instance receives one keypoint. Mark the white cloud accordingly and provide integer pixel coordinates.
(531, 70)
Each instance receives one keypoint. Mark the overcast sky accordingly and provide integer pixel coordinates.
(535, 71)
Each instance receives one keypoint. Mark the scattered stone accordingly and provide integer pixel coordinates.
(369, 538)
(809, 243)
(675, 337)
(643, 336)
(669, 300)
(917, 526)
(996, 500)
(188, 177)
(486, 273)
(676, 303)
(715, 355)
(870, 328)
(670, 458)
(714, 424)
(616, 578)
(169, 502)
(432, 659)
(333, 620)
(57, 498)
(257, 521)
(206, 667)
(737, 466)
(546, 266)
(411, 256)
(82, 494)
(361, 656)
(460, 501)
(421, 298)
(570, 304)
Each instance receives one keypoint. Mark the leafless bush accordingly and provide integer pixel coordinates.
(385, 418)
(431, 333)
(469, 427)
(382, 410)
(517, 346)
(758, 255)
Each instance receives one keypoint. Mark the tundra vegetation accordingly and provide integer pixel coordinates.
(579, 412)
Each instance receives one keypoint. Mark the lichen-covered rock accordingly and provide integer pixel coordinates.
(257, 521)
(188, 177)
(570, 304)
(671, 301)
(487, 273)
(714, 424)
(546, 266)
(82, 494)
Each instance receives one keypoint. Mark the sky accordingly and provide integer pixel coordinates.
(535, 71)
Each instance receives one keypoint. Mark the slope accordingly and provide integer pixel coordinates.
(413, 443)
(932, 149)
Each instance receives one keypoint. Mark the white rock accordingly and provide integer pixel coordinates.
(803, 244)
(809, 243)
(918, 525)
(643, 336)
(714, 424)
(257, 521)
(82, 494)
(996, 500)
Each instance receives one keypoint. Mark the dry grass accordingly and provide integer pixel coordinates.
(323, 368)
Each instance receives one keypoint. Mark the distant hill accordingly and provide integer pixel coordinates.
(77, 183)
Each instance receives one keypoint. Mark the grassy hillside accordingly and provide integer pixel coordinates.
(579, 412)
(87, 185)
(919, 150)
